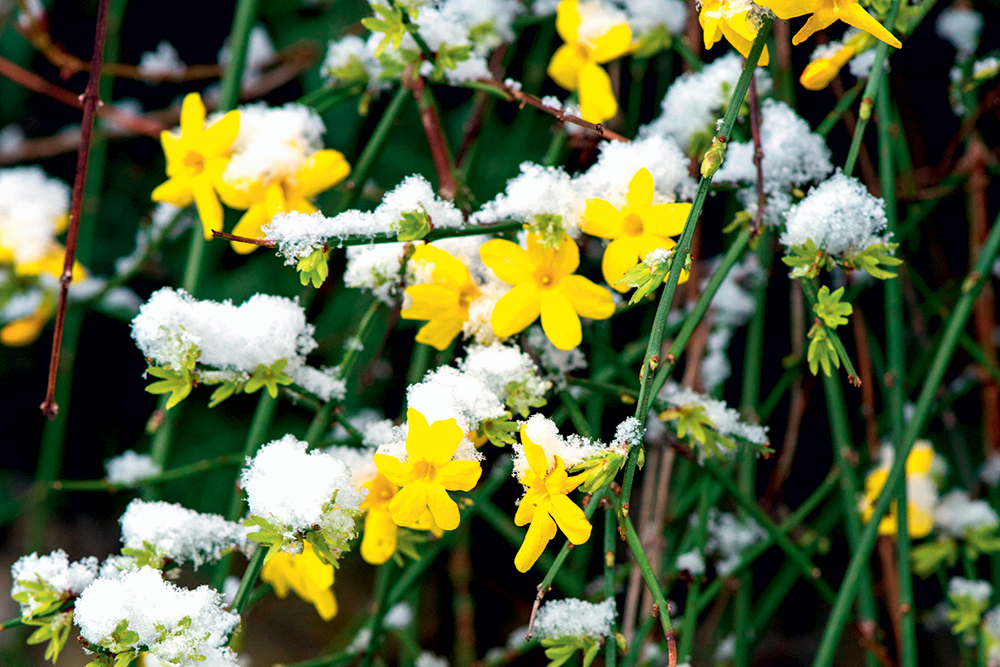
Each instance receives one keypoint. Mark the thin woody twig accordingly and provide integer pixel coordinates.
(32, 81)
(431, 122)
(534, 612)
(512, 94)
(264, 243)
(91, 101)
(758, 154)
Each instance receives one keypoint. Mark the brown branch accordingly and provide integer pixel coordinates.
(264, 243)
(758, 154)
(91, 101)
(867, 382)
(890, 582)
(431, 122)
(512, 94)
(32, 81)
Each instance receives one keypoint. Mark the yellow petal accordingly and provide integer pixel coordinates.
(535, 454)
(409, 503)
(665, 219)
(526, 508)
(559, 321)
(920, 459)
(325, 604)
(508, 261)
(459, 475)
(820, 72)
(541, 530)
(588, 300)
(597, 100)
(440, 442)
(615, 43)
(209, 208)
(709, 26)
(443, 508)
(274, 200)
(822, 19)
(787, 9)
(854, 14)
(173, 150)
(439, 333)
(603, 220)
(250, 226)
(568, 20)
(516, 310)
(561, 261)
(175, 190)
(394, 470)
(565, 66)
(647, 243)
(379, 542)
(25, 330)
(220, 135)
(431, 301)
(640, 190)
(321, 171)
(620, 256)
(571, 519)
(447, 268)
(192, 117)
(241, 195)
(920, 522)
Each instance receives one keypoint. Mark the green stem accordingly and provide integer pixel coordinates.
(359, 174)
(843, 104)
(635, 546)
(610, 544)
(575, 413)
(810, 291)
(942, 357)
(682, 249)
(690, 620)
(244, 592)
(181, 472)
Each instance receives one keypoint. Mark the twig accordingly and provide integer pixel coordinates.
(758, 154)
(91, 101)
(867, 382)
(32, 81)
(264, 243)
(431, 122)
(513, 94)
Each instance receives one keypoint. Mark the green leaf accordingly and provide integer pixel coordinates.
(413, 225)
(548, 228)
(314, 268)
(499, 432)
(830, 309)
(872, 258)
(268, 377)
(929, 557)
(982, 540)
(822, 351)
(807, 260)
(391, 24)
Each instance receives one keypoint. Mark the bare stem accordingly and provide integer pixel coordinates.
(91, 101)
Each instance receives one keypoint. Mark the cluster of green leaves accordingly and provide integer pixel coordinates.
(698, 429)
(327, 546)
(549, 229)
(807, 260)
(149, 555)
(560, 649)
(521, 397)
(873, 258)
(942, 553)
(45, 603)
(966, 614)
(183, 632)
(179, 383)
(647, 278)
(600, 470)
(124, 648)
(499, 432)
(391, 24)
(313, 268)
(830, 314)
(413, 225)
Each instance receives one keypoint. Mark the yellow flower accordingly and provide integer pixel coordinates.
(545, 504)
(445, 301)
(728, 18)
(576, 64)
(26, 330)
(921, 493)
(544, 285)
(636, 230)
(263, 200)
(428, 474)
(196, 158)
(825, 13)
(381, 532)
(307, 575)
(820, 72)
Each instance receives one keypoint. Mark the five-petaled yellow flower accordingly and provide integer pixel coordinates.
(729, 19)
(825, 13)
(639, 228)
(544, 285)
(307, 575)
(196, 158)
(576, 65)
(445, 301)
(921, 493)
(428, 474)
(263, 200)
(381, 532)
(545, 505)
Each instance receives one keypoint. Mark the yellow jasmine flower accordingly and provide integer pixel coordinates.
(820, 72)
(196, 158)
(576, 65)
(381, 532)
(544, 285)
(26, 330)
(428, 474)
(729, 19)
(825, 13)
(921, 493)
(263, 200)
(307, 575)
(445, 301)
(637, 229)
(545, 505)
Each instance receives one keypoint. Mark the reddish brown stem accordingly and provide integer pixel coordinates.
(91, 101)
(32, 81)
(431, 122)
(867, 382)
(758, 154)
(524, 98)
(265, 243)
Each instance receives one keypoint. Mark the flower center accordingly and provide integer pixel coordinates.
(424, 470)
(544, 278)
(466, 297)
(633, 225)
(583, 52)
(194, 162)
